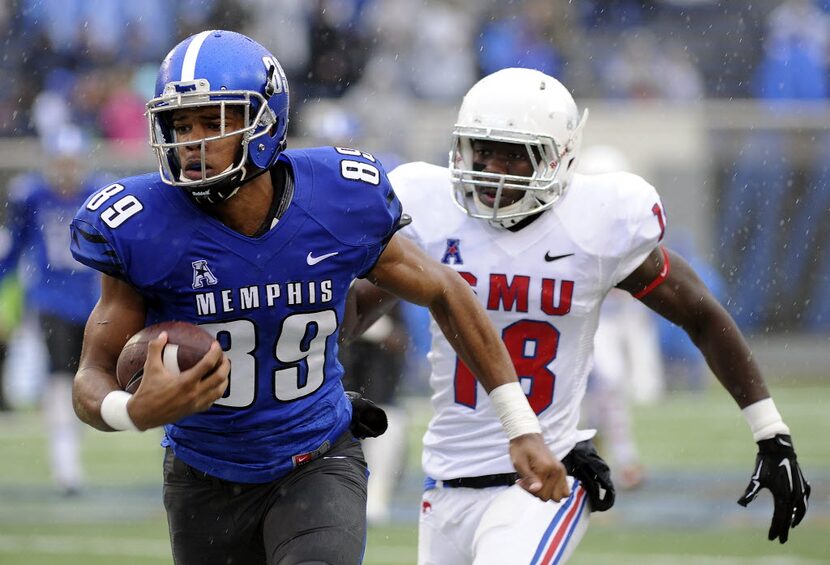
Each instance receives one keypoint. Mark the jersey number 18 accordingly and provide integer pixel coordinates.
(532, 346)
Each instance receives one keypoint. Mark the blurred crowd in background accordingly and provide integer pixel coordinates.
(360, 69)
(93, 62)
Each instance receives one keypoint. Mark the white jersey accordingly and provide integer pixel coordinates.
(542, 288)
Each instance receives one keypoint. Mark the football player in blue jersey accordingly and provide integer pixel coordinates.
(62, 292)
(260, 245)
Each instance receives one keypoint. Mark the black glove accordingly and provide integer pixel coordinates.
(368, 419)
(776, 468)
(585, 464)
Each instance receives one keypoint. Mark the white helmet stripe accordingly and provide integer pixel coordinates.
(192, 53)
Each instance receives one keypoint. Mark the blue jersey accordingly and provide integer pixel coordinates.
(274, 302)
(37, 220)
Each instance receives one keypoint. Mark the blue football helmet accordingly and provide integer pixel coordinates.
(227, 70)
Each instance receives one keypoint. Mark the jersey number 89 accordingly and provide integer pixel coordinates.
(119, 211)
(300, 348)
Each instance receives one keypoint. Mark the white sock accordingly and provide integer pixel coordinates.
(385, 456)
(63, 429)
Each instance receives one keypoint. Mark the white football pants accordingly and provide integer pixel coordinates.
(499, 526)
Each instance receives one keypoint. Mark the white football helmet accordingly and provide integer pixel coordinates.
(525, 107)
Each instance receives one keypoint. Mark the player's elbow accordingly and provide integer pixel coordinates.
(86, 410)
(449, 291)
(452, 283)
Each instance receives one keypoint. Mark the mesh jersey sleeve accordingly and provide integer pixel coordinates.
(122, 229)
(389, 222)
(100, 237)
(347, 192)
(92, 248)
(421, 187)
(645, 225)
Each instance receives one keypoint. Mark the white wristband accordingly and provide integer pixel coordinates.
(114, 411)
(512, 408)
(764, 420)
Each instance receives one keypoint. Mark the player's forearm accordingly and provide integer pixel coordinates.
(685, 300)
(728, 355)
(468, 329)
(366, 304)
(89, 389)
(466, 325)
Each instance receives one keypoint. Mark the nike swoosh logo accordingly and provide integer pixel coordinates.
(784, 442)
(786, 464)
(550, 258)
(314, 260)
(756, 481)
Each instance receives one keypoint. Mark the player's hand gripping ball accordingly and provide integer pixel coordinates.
(186, 344)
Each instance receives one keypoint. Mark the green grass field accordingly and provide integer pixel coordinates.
(696, 447)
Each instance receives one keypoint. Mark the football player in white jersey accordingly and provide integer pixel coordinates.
(542, 246)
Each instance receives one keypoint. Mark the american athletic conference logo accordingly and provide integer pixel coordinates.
(453, 252)
(202, 275)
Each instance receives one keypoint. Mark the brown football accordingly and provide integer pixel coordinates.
(186, 344)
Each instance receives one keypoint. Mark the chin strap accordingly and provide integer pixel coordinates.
(225, 189)
(526, 204)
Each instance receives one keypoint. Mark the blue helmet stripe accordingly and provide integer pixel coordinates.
(192, 53)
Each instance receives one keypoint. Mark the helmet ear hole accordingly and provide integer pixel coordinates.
(270, 83)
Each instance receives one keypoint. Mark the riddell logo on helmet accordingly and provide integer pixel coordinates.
(185, 86)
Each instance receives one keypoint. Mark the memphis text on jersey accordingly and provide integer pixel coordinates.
(257, 296)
